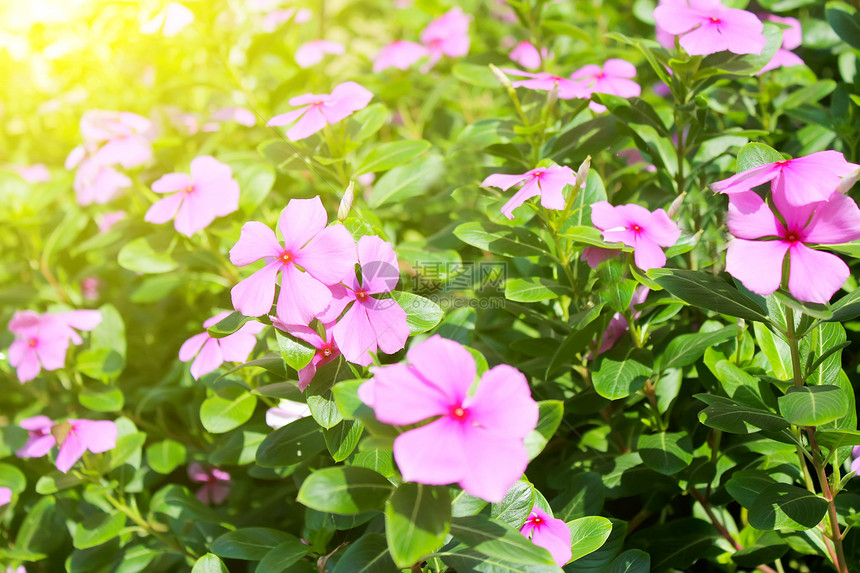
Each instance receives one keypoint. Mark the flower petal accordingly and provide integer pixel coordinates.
(446, 364)
(757, 264)
(815, 276)
(433, 454)
(300, 220)
(98, 436)
(401, 396)
(208, 360)
(165, 209)
(503, 403)
(70, 452)
(172, 182)
(256, 241)
(192, 346)
(254, 295)
(302, 296)
(330, 256)
(494, 463)
(380, 271)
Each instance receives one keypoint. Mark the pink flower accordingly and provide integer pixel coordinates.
(618, 324)
(97, 436)
(212, 352)
(36, 173)
(327, 255)
(125, 137)
(326, 348)
(90, 288)
(41, 439)
(238, 115)
(477, 439)
(275, 18)
(632, 156)
(814, 275)
(170, 21)
(526, 55)
(400, 54)
(855, 463)
(791, 39)
(5, 496)
(286, 412)
(708, 27)
(544, 81)
(42, 340)
(369, 322)
(98, 183)
(548, 182)
(447, 35)
(107, 220)
(799, 181)
(613, 78)
(321, 110)
(637, 227)
(313, 52)
(550, 533)
(216, 483)
(593, 256)
(208, 193)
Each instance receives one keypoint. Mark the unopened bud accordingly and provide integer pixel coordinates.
(676, 205)
(552, 96)
(848, 181)
(346, 202)
(503, 79)
(582, 172)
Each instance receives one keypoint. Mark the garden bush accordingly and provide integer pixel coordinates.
(429, 286)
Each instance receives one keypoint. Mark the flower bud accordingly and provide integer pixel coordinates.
(503, 79)
(676, 205)
(582, 172)
(848, 181)
(346, 202)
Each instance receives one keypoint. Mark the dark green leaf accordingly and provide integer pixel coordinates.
(291, 444)
(667, 453)
(622, 372)
(345, 490)
(417, 520)
(783, 506)
(250, 543)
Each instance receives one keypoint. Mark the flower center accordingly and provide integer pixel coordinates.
(361, 295)
(714, 20)
(459, 413)
(326, 350)
(188, 189)
(286, 257)
(32, 342)
(792, 237)
(636, 228)
(537, 520)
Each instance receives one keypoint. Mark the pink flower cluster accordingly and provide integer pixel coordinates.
(110, 138)
(707, 27)
(41, 340)
(209, 192)
(809, 210)
(614, 77)
(447, 35)
(317, 111)
(318, 282)
(475, 438)
(74, 437)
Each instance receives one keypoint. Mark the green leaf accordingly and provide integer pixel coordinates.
(631, 561)
(250, 543)
(345, 490)
(227, 410)
(783, 506)
(688, 348)
(368, 554)
(475, 75)
(282, 556)
(101, 399)
(417, 520)
(622, 372)
(56, 481)
(845, 21)
(407, 181)
(140, 256)
(666, 453)
(767, 549)
(97, 529)
(388, 155)
(367, 122)
(499, 239)
(464, 560)
(832, 439)
(165, 456)
(319, 394)
(291, 444)
(813, 405)
(704, 290)
(533, 289)
(228, 325)
(549, 418)
(296, 353)
(755, 154)
(343, 438)
(209, 563)
(588, 534)
(584, 496)
(846, 308)
(515, 507)
(734, 417)
(746, 485)
(422, 314)
(13, 478)
(497, 539)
